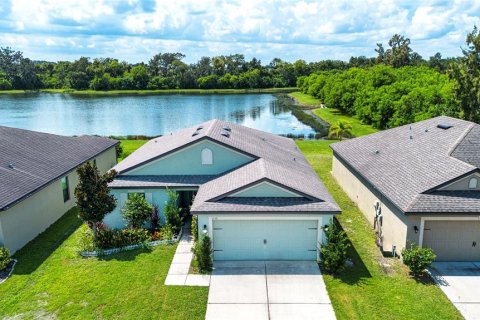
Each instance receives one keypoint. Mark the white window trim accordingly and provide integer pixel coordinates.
(423, 219)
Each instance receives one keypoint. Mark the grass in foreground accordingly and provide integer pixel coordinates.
(149, 92)
(368, 290)
(52, 281)
(332, 116)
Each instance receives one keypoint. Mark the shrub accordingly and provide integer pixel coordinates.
(108, 238)
(334, 251)
(118, 150)
(167, 232)
(136, 211)
(172, 211)
(418, 259)
(203, 253)
(4, 257)
(154, 219)
(195, 228)
(86, 241)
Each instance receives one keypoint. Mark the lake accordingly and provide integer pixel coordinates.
(148, 115)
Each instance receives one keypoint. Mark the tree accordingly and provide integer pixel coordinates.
(94, 200)
(172, 211)
(136, 210)
(341, 129)
(203, 253)
(334, 250)
(466, 73)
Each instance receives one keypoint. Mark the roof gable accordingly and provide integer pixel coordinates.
(265, 188)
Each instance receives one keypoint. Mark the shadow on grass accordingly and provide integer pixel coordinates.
(34, 253)
(125, 255)
(356, 273)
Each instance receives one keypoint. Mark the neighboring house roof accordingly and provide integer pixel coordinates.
(275, 159)
(162, 181)
(30, 160)
(407, 164)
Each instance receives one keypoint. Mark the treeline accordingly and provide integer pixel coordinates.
(169, 71)
(399, 87)
(384, 96)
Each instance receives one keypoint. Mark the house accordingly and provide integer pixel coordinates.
(255, 194)
(37, 179)
(418, 183)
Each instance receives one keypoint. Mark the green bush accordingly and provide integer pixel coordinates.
(203, 253)
(108, 238)
(334, 251)
(167, 232)
(195, 228)
(136, 211)
(172, 212)
(418, 259)
(4, 257)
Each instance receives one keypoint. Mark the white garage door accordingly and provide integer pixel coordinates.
(453, 240)
(265, 239)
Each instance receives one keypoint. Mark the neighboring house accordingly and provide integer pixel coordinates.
(419, 183)
(256, 195)
(37, 179)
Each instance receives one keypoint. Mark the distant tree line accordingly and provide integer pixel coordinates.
(399, 86)
(169, 71)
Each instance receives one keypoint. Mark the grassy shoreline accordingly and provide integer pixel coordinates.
(153, 92)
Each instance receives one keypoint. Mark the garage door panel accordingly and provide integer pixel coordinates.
(265, 239)
(453, 240)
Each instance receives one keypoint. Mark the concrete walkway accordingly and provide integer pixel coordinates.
(264, 290)
(178, 272)
(460, 281)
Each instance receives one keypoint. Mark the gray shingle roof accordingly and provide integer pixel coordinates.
(160, 181)
(276, 159)
(39, 158)
(405, 163)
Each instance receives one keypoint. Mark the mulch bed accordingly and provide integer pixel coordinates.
(5, 273)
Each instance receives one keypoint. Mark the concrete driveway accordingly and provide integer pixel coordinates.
(268, 290)
(460, 281)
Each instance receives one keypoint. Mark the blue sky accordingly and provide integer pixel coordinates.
(135, 30)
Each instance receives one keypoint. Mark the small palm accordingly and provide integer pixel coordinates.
(341, 129)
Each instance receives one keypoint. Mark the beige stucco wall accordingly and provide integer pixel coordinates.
(397, 227)
(25, 220)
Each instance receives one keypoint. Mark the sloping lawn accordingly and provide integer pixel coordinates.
(370, 290)
(52, 281)
(332, 116)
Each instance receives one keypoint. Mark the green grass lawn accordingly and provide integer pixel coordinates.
(129, 146)
(368, 290)
(52, 281)
(332, 116)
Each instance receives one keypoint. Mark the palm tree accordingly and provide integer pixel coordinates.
(341, 129)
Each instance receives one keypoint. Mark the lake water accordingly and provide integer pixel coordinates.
(143, 115)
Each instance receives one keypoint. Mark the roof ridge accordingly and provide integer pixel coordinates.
(210, 127)
(460, 139)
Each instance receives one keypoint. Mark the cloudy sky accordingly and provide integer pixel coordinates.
(134, 30)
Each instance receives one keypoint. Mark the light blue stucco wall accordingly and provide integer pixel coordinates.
(189, 161)
(265, 189)
(155, 196)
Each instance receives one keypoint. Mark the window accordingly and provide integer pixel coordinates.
(65, 189)
(207, 156)
(132, 193)
(473, 183)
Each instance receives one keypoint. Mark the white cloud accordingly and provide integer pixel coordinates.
(283, 28)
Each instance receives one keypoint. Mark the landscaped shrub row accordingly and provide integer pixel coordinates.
(4, 257)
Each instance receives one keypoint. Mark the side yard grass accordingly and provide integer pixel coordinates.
(376, 287)
(331, 115)
(51, 281)
(129, 146)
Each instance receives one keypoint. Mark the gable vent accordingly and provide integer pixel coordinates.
(444, 126)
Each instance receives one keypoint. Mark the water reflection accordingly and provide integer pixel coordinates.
(143, 115)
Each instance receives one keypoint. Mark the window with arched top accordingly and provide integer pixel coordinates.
(473, 183)
(207, 156)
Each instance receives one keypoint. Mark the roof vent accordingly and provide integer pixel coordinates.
(444, 126)
(225, 134)
(426, 130)
(227, 128)
(195, 133)
(11, 166)
(377, 151)
(199, 128)
(411, 137)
